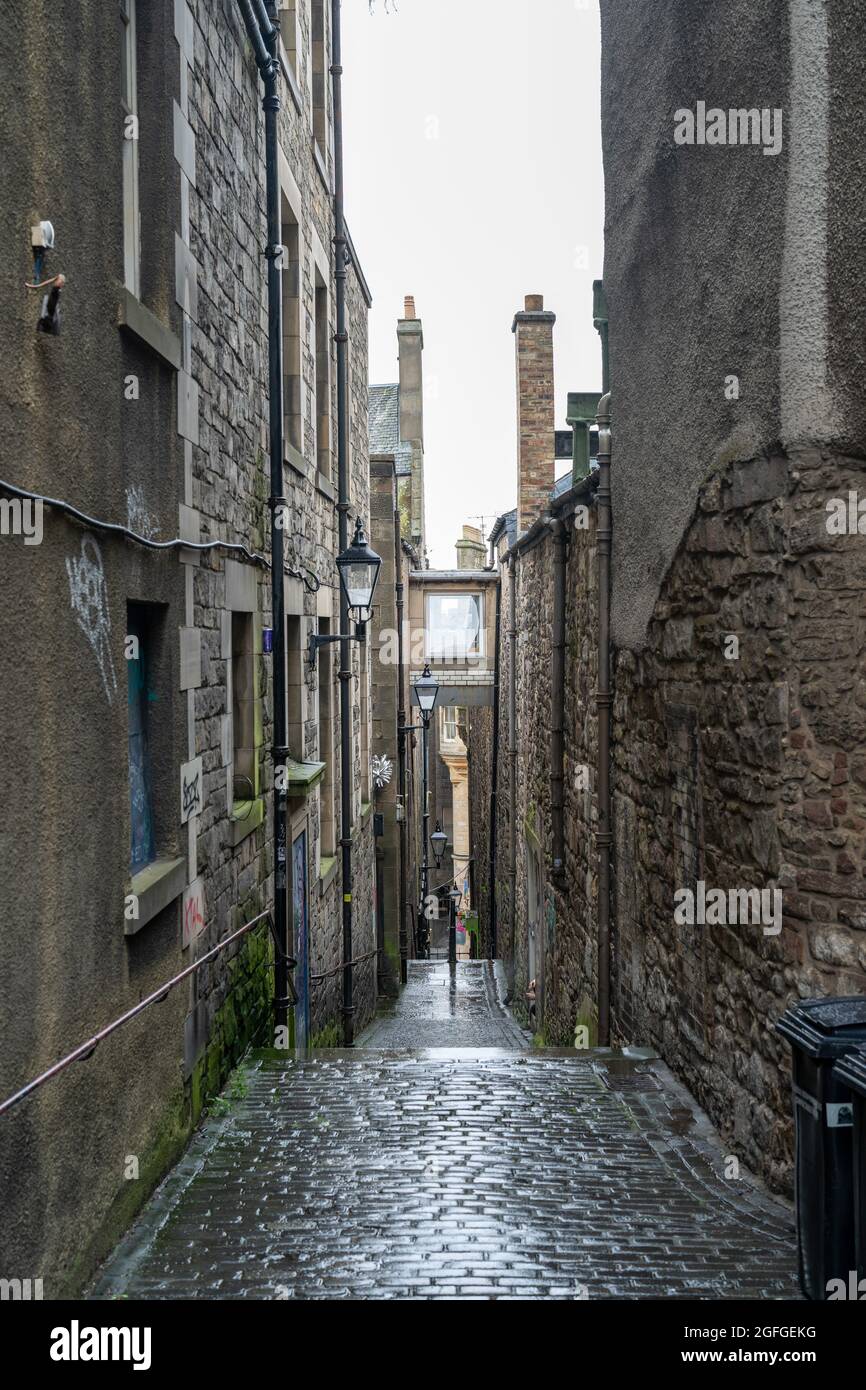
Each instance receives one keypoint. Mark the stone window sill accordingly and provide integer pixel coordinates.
(247, 816)
(326, 487)
(319, 161)
(327, 873)
(303, 777)
(155, 886)
(144, 326)
(295, 459)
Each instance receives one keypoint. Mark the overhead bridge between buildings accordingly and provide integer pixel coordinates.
(452, 626)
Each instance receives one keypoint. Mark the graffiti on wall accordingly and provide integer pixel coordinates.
(88, 595)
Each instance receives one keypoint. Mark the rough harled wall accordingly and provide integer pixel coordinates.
(185, 455)
(738, 414)
(722, 260)
(550, 934)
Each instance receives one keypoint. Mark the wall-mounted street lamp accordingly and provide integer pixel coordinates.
(426, 690)
(438, 840)
(358, 567)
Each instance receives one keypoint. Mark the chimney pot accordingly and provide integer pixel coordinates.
(534, 303)
(409, 307)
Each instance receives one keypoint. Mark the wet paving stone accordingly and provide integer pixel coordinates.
(484, 1171)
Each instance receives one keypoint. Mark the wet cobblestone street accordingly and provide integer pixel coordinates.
(487, 1170)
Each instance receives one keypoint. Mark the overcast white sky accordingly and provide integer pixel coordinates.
(473, 178)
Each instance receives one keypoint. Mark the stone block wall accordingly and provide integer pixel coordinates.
(559, 907)
(740, 760)
(161, 409)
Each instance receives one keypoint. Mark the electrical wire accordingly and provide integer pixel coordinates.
(311, 581)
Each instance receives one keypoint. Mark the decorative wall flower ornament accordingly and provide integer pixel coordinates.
(382, 768)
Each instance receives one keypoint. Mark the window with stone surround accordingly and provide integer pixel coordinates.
(244, 769)
(290, 33)
(151, 767)
(320, 76)
(454, 626)
(129, 135)
(323, 379)
(292, 351)
(295, 688)
(327, 705)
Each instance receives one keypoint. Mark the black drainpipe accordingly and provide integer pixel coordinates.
(557, 699)
(401, 750)
(263, 35)
(604, 837)
(494, 775)
(341, 257)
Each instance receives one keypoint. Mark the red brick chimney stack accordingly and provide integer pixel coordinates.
(536, 419)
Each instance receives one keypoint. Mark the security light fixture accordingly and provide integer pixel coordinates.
(438, 840)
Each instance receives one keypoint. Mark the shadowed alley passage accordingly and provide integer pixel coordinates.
(464, 1173)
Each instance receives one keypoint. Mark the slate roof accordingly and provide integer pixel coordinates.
(384, 427)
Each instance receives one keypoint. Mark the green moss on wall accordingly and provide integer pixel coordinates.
(243, 1018)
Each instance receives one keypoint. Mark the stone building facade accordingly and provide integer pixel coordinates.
(149, 410)
(737, 612)
(739, 706)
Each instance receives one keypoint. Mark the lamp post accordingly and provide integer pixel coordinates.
(358, 567)
(454, 897)
(426, 690)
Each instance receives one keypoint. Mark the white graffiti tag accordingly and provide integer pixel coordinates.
(89, 599)
(138, 517)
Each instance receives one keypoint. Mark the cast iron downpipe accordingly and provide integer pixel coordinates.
(401, 751)
(263, 34)
(494, 775)
(341, 258)
(512, 758)
(557, 698)
(604, 836)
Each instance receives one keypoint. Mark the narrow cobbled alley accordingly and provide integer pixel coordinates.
(446, 1158)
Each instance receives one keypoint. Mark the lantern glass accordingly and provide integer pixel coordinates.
(426, 691)
(438, 840)
(359, 568)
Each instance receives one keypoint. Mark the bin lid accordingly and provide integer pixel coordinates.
(825, 1027)
(851, 1070)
